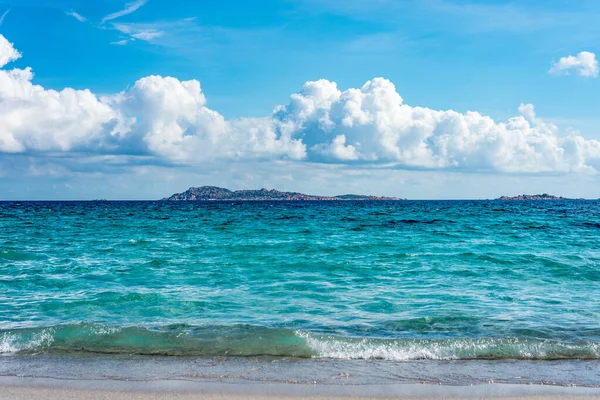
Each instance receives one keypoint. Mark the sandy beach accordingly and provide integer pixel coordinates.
(44, 393)
(13, 388)
(20, 393)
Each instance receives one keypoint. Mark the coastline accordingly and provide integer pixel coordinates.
(148, 378)
(17, 388)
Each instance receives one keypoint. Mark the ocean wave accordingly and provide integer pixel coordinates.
(448, 349)
(251, 341)
(16, 343)
(172, 340)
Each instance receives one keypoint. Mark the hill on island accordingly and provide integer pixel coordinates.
(213, 193)
(544, 196)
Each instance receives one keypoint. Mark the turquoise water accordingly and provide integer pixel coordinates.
(396, 281)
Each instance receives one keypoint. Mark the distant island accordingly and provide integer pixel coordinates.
(544, 196)
(213, 193)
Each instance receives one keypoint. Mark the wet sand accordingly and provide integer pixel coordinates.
(12, 388)
(23, 393)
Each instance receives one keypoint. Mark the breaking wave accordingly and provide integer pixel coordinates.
(251, 341)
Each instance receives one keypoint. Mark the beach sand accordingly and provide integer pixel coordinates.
(12, 388)
(43, 393)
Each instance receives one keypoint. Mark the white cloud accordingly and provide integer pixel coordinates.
(177, 125)
(129, 8)
(35, 119)
(7, 52)
(4, 16)
(76, 15)
(147, 35)
(167, 120)
(120, 42)
(338, 150)
(584, 64)
(376, 127)
(145, 32)
(140, 32)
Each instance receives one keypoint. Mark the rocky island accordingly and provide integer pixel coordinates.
(544, 196)
(213, 193)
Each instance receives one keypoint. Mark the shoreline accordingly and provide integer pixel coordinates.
(292, 372)
(17, 388)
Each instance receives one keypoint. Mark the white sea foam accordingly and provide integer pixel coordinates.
(11, 343)
(328, 347)
(325, 346)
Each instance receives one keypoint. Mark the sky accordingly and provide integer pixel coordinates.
(422, 99)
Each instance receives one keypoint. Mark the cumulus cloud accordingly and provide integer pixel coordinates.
(177, 125)
(168, 121)
(35, 119)
(7, 52)
(338, 150)
(584, 64)
(373, 125)
(159, 116)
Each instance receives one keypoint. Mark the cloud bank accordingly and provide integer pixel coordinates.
(167, 121)
(583, 64)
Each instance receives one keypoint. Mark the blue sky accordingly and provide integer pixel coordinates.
(251, 56)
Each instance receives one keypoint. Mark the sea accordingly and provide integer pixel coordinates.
(323, 292)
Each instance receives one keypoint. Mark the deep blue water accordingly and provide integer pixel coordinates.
(407, 280)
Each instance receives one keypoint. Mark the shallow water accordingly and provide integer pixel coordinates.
(295, 371)
(395, 281)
